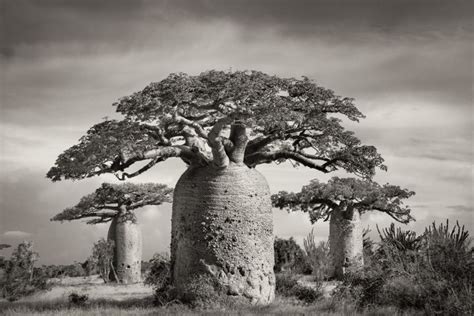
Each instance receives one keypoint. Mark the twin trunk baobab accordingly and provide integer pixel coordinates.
(223, 125)
(116, 204)
(342, 201)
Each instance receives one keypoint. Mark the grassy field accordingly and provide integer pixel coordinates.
(137, 299)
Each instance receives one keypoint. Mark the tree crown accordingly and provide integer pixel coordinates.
(111, 199)
(320, 199)
(219, 117)
(3, 246)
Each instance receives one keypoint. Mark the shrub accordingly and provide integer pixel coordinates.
(287, 285)
(77, 299)
(20, 277)
(402, 240)
(432, 272)
(290, 257)
(158, 271)
(368, 246)
(102, 258)
(318, 256)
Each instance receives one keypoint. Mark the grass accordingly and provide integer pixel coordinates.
(281, 306)
(110, 299)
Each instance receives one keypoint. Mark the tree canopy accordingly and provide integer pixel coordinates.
(219, 117)
(106, 202)
(3, 246)
(320, 199)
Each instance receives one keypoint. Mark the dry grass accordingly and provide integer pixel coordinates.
(106, 299)
(281, 306)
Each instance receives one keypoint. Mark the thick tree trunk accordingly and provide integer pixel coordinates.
(345, 241)
(126, 234)
(222, 227)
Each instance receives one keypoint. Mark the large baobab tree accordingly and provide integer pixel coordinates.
(223, 125)
(342, 201)
(116, 203)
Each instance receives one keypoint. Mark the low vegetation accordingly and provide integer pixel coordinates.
(432, 272)
(404, 274)
(20, 277)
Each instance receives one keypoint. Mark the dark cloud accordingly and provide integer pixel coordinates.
(136, 24)
(304, 17)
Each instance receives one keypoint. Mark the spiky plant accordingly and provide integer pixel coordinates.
(401, 239)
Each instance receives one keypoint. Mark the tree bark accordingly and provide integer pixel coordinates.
(345, 241)
(222, 227)
(126, 234)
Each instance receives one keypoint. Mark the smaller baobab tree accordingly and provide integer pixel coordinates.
(116, 203)
(342, 201)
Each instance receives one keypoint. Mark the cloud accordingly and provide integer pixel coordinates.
(64, 63)
(16, 234)
(461, 208)
(123, 24)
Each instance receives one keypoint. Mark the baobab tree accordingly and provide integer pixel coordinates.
(116, 203)
(223, 125)
(342, 201)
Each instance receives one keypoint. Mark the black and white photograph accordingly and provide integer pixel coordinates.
(236, 157)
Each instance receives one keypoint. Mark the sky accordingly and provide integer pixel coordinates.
(408, 64)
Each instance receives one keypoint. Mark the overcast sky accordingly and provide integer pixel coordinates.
(408, 64)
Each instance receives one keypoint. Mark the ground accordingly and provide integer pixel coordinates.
(137, 299)
(94, 287)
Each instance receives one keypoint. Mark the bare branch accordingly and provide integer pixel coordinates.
(125, 175)
(197, 127)
(189, 155)
(268, 157)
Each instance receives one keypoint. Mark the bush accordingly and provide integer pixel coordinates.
(20, 277)
(318, 257)
(287, 285)
(158, 273)
(77, 299)
(290, 257)
(102, 258)
(432, 272)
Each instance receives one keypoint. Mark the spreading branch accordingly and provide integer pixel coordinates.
(271, 119)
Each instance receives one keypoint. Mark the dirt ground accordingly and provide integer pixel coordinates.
(94, 287)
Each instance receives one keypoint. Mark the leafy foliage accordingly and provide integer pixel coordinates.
(320, 199)
(19, 278)
(188, 117)
(104, 204)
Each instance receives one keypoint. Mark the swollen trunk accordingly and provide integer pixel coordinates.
(345, 241)
(126, 234)
(222, 228)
